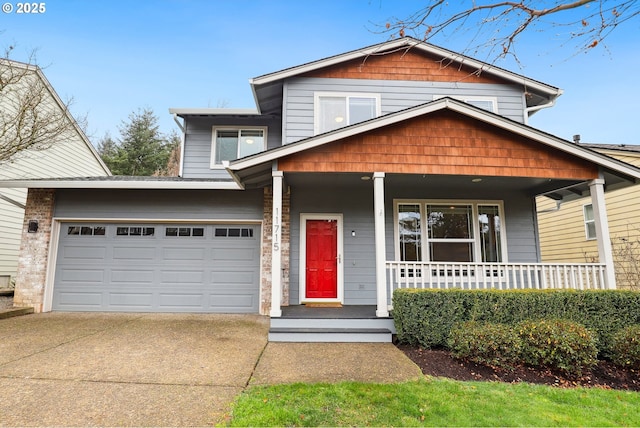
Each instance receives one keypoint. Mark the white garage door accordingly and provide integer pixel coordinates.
(157, 268)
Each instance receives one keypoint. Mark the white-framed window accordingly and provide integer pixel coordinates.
(333, 110)
(231, 143)
(486, 103)
(450, 231)
(589, 222)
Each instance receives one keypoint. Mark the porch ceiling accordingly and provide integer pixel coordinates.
(556, 189)
(461, 184)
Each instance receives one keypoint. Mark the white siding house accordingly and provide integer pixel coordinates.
(72, 156)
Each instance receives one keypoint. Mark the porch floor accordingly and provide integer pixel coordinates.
(345, 312)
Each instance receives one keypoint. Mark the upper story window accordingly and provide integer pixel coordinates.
(486, 103)
(235, 143)
(336, 110)
(589, 222)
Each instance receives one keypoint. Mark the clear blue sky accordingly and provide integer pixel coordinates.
(114, 57)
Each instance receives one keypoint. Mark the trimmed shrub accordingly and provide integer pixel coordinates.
(425, 317)
(558, 344)
(496, 345)
(625, 347)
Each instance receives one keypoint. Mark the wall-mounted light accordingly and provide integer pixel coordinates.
(353, 233)
(33, 226)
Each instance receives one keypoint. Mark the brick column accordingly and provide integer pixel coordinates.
(34, 250)
(265, 286)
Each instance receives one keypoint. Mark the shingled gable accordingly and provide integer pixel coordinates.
(402, 59)
(444, 138)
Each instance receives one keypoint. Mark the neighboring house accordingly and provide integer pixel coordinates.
(398, 165)
(567, 230)
(72, 157)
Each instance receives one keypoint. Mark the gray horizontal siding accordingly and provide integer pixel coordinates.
(198, 141)
(358, 256)
(395, 95)
(356, 206)
(161, 204)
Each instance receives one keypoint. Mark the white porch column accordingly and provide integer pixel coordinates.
(605, 252)
(276, 246)
(382, 309)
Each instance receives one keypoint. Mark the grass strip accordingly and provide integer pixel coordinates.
(434, 402)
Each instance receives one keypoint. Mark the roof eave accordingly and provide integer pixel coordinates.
(119, 184)
(182, 112)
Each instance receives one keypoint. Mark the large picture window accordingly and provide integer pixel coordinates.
(444, 231)
(231, 144)
(334, 110)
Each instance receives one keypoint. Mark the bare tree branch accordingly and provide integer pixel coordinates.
(31, 115)
(500, 23)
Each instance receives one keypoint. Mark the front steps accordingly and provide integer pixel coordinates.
(330, 325)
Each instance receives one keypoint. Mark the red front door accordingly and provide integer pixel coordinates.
(322, 259)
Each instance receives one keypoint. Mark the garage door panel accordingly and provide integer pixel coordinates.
(131, 301)
(132, 254)
(171, 269)
(232, 302)
(182, 253)
(182, 277)
(84, 252)
(83, 276)
(233, 255)
(132, 276)
(232, 277)
(181, 300)
(71, 300)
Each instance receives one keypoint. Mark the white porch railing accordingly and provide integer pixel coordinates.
(503, 276)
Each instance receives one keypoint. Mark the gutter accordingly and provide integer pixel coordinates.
(233, 175)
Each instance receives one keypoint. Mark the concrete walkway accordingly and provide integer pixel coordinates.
(79, 369)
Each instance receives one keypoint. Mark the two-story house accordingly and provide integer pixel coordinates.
(397, 165)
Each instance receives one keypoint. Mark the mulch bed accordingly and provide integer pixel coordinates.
(440, 363)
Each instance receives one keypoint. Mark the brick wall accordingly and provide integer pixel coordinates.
(34, 250)
(267, 222)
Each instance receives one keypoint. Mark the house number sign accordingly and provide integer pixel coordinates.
(276, 230)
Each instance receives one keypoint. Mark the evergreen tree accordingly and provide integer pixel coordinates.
(141, 150)
(172, 169)
(107, 149)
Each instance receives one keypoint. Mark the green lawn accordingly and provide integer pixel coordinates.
(434, 402)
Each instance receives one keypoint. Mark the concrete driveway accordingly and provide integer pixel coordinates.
(79, 369)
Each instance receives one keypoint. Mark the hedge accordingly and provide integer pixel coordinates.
(425, 317)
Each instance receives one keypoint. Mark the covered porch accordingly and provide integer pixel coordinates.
(379, 204)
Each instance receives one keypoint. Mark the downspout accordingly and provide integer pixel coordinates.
(530, 110)
(182, 138)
